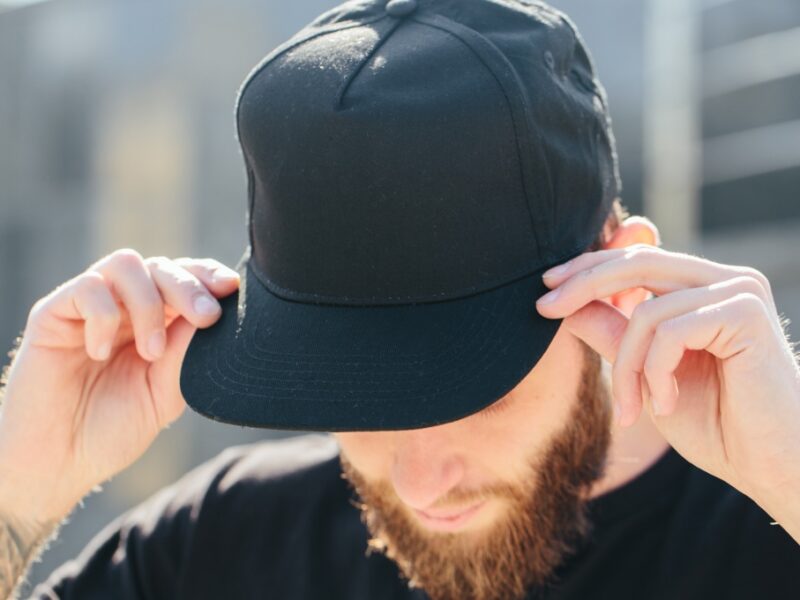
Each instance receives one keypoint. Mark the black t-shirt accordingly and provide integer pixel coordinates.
(274, 520)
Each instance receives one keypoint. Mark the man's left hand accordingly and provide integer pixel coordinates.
(707, 358)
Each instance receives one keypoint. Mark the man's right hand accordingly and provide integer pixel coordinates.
(96, 375)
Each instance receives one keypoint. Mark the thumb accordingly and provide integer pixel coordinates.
(166, 371)
(601, 325)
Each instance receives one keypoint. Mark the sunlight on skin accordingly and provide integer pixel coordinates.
(492, 445)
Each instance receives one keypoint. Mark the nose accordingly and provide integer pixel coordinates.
(426, 466)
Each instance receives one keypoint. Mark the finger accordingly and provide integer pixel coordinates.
(600, 325)
(79, 312)
(220, 279)
(723, 329)
(102, 317)
(591, 260)
(600, 274)
(183, 291)
(164, 375)
(635, 344)
(130, 279)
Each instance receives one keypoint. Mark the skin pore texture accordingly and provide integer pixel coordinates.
(486, 506)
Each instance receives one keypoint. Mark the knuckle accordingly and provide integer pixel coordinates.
(183, 279)
(749, 284)
(190, 286)
(189, 261)
(208, 263)
(156, 261)
(586, 274)
(750, 304)
(127, 257)
(638, 251)
(585, 281)
(650, 369)
(36, 310)
(759, 277)
(216, 264)
(667, 328)
(151, 304)
(145, 308)
(108, 317)
(183, 261)
(88, 282)
(642, 314)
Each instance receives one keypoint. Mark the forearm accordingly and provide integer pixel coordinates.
(20, 544)
(28, 522)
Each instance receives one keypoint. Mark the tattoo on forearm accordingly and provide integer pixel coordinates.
(20, 545)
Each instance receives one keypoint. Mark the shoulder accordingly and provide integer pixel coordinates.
(729, 543)
(305, 462)
(260, 476)
(272, 462)
(199, 536)
(240, 485)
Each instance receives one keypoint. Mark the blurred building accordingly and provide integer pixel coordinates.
(705, 98)
(117, 129)
(750, 113)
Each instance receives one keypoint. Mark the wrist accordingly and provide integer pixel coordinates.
(32, 500)
(21, 541)
(28, 533)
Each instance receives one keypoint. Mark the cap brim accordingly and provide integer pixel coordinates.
(275, 363)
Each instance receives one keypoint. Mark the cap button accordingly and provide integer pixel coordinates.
(400, 8)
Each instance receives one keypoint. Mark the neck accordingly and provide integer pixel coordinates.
(633, 450)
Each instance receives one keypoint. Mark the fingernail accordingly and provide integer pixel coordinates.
(550, 296)
(205, 306)
(224, 274)
(555, 271)
(656, 406)
(156, 343)
(104, 351)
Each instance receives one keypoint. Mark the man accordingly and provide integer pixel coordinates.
(420, 173)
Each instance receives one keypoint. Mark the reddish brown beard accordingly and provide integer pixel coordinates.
(545, 522)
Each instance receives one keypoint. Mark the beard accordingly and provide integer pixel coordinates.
(545, 523)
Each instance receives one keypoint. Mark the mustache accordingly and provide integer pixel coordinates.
(454, 498)
(459, 497)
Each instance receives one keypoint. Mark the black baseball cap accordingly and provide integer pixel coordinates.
(413, 167)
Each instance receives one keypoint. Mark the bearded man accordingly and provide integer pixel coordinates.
(420, 173)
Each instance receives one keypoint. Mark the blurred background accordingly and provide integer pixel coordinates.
(117, 130)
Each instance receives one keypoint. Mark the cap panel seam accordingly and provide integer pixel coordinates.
(312, 298)
(459, 32)
(281, 49)
(488, 53)
(269, 58)
(357, 69)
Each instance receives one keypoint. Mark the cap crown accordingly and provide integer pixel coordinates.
(423, 156)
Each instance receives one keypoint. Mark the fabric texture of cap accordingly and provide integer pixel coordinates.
(413, 167)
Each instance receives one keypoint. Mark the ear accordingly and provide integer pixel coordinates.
(633, 230)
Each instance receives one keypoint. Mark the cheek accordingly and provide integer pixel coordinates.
(538, 408)
(506, 441)
(503, 443)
